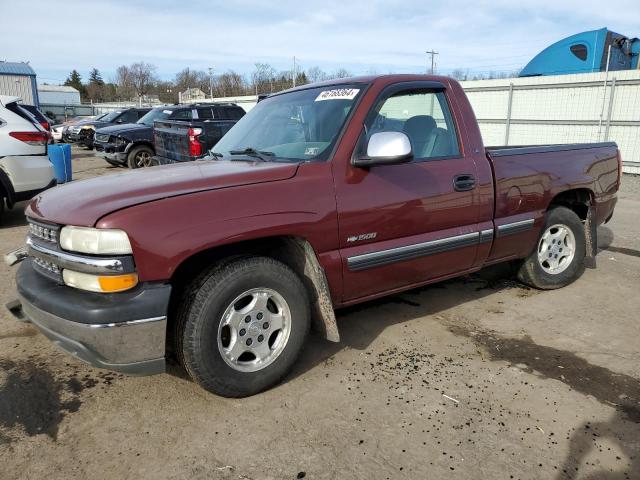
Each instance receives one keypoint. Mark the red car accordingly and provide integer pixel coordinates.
(322, 196)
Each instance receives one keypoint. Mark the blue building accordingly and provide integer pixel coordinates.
(19, 80)
(586, 52)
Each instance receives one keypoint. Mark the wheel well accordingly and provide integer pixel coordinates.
(578, 200)
(141, 144)
(294, 252)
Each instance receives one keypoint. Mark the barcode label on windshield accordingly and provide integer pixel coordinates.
(338, 94)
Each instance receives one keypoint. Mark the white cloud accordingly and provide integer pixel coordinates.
(359, 35)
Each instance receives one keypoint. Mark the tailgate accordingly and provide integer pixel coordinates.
(171, 140)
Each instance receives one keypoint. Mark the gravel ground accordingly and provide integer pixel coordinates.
(479, 377)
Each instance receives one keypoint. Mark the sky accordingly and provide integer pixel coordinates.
(361, 36)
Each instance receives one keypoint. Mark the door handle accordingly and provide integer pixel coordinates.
(464, 182)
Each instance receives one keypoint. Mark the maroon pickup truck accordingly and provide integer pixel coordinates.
(322, 196)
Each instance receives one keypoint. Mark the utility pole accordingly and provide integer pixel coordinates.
(433, 54)
(211, 83)
(294, 71)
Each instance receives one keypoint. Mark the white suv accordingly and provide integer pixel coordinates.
(25, 169)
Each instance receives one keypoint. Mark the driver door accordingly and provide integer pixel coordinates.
(408, 223)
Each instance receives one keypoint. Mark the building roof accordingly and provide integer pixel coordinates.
(56, 88)
(16, 68)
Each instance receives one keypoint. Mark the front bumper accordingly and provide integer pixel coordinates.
(83, 137)
(111, 152)
(123, 332)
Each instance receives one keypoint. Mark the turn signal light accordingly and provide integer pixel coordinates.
(118, 283)
(99, 283)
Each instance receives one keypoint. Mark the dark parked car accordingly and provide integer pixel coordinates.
(187, 141)
(83, 131)
(132, 144)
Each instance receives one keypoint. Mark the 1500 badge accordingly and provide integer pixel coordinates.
(364, 236)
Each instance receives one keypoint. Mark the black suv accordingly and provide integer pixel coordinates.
(83, 131)
(132, 144)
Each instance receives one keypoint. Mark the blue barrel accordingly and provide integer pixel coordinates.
(60, 157)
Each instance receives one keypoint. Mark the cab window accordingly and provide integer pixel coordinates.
(185, 114)
(424, 116)
(130, 116)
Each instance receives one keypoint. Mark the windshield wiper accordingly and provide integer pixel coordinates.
(215, 154)
(252, 152)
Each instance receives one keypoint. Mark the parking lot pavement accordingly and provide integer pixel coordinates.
(477, 377)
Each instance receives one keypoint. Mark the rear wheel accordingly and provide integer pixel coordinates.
(242, 325)
(558, 257)
(140, 157)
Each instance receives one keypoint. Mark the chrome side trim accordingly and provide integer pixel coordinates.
(515, 227)
(486, 235)
(81, 263)
(127, 324)
(408, 252)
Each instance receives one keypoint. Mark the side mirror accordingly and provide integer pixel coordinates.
(386, 148)
(119, 121)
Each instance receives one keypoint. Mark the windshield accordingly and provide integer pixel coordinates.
(296, 126)
(155, 114)
(110, 117)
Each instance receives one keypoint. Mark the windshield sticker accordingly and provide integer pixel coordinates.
(311, 151)
(168, 112)
(338, 94)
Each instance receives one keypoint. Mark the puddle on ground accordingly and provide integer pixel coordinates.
(615, 389)
(35, 400)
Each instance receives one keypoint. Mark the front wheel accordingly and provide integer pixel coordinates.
(558, 257)
(242, 325)
(140, 157)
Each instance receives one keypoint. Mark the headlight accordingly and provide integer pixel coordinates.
(95, 241)
(99, 283)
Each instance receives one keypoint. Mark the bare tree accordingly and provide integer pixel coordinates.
(142, 77)
(263, 78)
(231, 83)
(460, 74)
(124, 88)
(189, 78)
(315, 74)
(341, 73)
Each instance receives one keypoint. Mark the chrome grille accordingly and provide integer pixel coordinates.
(48, 266)
(48, 233)
(48, 269)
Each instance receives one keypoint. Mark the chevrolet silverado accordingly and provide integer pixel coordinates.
(322, 196)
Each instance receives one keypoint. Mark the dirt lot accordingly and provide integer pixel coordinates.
(478, 377)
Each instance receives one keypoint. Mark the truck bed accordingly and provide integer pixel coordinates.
(171, 138)
(528, 177)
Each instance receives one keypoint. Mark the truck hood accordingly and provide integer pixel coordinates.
(84, 202)
(123, 128)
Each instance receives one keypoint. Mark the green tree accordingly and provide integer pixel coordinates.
(75, 80)
(95, 78)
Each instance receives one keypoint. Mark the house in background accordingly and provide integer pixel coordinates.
(192, 95)
(58, 95)
(19, 79)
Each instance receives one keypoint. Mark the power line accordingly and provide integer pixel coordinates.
(433, 54)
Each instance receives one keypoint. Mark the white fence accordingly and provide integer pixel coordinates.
(555, 109)
(561, 109)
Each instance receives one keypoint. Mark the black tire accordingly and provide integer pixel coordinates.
(140, 157)
(532, 272)
(201, 312)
